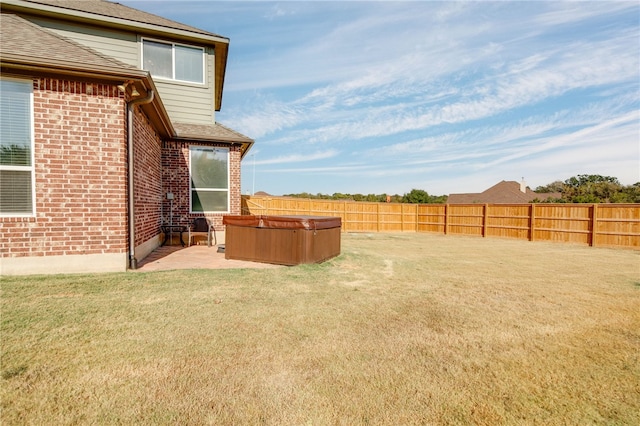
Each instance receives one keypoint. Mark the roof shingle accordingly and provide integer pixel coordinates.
(504, 192)
(120, 11)
(50, 47)
(209, 132)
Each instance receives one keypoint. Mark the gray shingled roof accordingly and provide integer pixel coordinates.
(53, 50)
(504, 192)
(50, 47)
(120, 17)
(209, 132)
(120, 11)
(212, 132)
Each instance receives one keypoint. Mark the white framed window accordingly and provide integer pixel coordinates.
(17, 175)
(209, 179)
(173, 61)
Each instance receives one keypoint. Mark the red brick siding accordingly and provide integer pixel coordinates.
(175, 166)
(80, 173)
(147, 178)
(235, 191)
(175, 179)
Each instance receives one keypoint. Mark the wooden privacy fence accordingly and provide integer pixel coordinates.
(615, 225)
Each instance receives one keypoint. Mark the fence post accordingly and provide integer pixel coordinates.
(485, 220)
(594, 222)
(344, 214)
(446, 219)
(532, 220)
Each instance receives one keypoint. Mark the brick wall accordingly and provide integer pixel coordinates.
(175, 166)
(235, 189)
(80, 173)
(147, 178)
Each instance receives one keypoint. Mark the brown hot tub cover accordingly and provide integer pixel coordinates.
(284, 222)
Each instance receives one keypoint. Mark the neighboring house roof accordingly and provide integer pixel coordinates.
(208, 132)
(504, 192)
(117, 16)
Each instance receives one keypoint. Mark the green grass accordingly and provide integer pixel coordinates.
(399, 329)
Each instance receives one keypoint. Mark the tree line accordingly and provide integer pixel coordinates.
(417, 196)
(591, 189)
(577, 189)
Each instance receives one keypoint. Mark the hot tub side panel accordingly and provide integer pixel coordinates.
(281, 246)
(320, 245)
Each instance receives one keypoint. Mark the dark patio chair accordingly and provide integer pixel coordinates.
(202, 226)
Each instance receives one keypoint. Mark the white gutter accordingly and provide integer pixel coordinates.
(133, 262)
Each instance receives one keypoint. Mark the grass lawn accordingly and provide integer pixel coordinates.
(399, 329)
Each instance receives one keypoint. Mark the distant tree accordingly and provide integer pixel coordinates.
(340, 196)
(557, 186)
(419, 196)
(416, 196)
(591, 188)
(585, 180)
(439, 199)
(588, 188)
(300, 195)
(548, 200)
(628, 194)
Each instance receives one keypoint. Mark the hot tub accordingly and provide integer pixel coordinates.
(282, 240)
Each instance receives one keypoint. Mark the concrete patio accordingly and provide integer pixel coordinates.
(171, 257)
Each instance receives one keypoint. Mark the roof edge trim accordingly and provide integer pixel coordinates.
(39, 8)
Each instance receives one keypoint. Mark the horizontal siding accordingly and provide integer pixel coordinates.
(118, 45)
(184, 103)
(187, 103)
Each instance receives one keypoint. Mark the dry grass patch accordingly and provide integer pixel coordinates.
(400, 329)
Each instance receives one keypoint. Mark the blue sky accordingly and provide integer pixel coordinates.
(449, 97)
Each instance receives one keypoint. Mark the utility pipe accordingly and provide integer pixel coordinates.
(133, 262)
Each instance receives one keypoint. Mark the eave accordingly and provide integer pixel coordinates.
(11, 64)
(219, 43)
(244, 145)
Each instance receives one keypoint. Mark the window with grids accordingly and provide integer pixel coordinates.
(16, 148)
(209, 176)
(173, 61)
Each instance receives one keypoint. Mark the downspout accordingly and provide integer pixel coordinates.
(133, 262)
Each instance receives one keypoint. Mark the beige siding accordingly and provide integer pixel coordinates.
(121, 46)
(188, 103)
(184, 102)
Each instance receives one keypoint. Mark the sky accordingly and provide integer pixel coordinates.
(365, 97)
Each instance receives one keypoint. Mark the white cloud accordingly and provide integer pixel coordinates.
(454, 95)
(299, 158)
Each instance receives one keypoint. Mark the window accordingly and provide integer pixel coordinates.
(209, 170)
(173, 61)
(16, 148)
